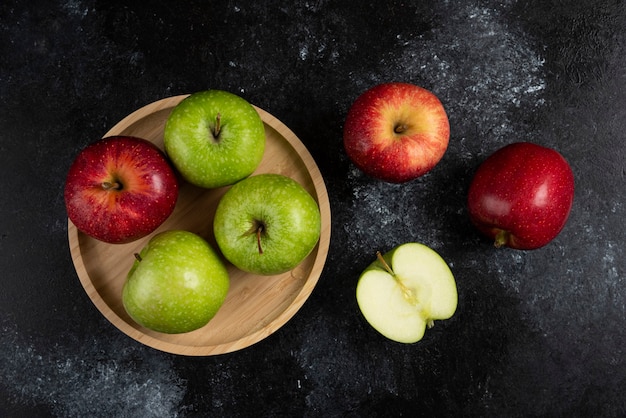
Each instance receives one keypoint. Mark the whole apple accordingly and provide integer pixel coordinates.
(396, 132)
(521, 196)
(267, 224)
(404, 291)
(177, 283)
(214, 138)
(120, 189)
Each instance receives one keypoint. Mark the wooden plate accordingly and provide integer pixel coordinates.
(256, 306)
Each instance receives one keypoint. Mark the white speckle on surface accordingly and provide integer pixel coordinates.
(76, 7)
(479, 67)
(505, 70)
(323, 363)
(485, 72)
(100, 379)
(304, 52)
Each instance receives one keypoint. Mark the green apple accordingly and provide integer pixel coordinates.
(267, 224)
(214, 138)
(405, 290)
(177, 284)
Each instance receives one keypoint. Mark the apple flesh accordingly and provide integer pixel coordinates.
(214, 138)
(120, 189)
(396, 132)
(177, 283)
(521, 196)
(267, 224)
(404, 291)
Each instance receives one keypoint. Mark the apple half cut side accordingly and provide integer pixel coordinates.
(404, 291)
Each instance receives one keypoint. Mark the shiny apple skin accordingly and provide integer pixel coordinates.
(521, 196)
(376, 148)
(148, 193)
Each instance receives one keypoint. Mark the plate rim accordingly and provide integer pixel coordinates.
(298, 301)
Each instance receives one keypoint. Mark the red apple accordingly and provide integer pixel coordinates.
(120, 189)
(396, 132)
(521, 196)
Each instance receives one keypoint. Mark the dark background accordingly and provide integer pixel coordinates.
(538, 333)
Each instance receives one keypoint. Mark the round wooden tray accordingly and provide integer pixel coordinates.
(256, 306)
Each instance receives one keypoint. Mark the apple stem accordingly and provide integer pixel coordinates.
(408, 293)
(258, 238)
(218, 125)
(384, 263)
(138, 257)
(257, 229)
(400, 128)
(502, 238)
(111, 185)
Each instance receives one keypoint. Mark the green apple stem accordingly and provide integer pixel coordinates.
(111, 185)
(409, 294)
(218, 126)
(138, 257)
(258, 238)
(502, 238)
(384, 263)
(257, 229)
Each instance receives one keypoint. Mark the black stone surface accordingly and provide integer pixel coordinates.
(537, 333)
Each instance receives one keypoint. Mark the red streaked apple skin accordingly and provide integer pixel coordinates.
(146, 196)
(521, 196)
(396, 132)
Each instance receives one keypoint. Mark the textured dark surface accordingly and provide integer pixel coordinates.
(536, 333)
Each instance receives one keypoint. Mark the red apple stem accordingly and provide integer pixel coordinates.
(111, 185)
(400, 128)
(502, 238)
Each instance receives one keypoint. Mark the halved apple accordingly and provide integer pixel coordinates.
(405, 291)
